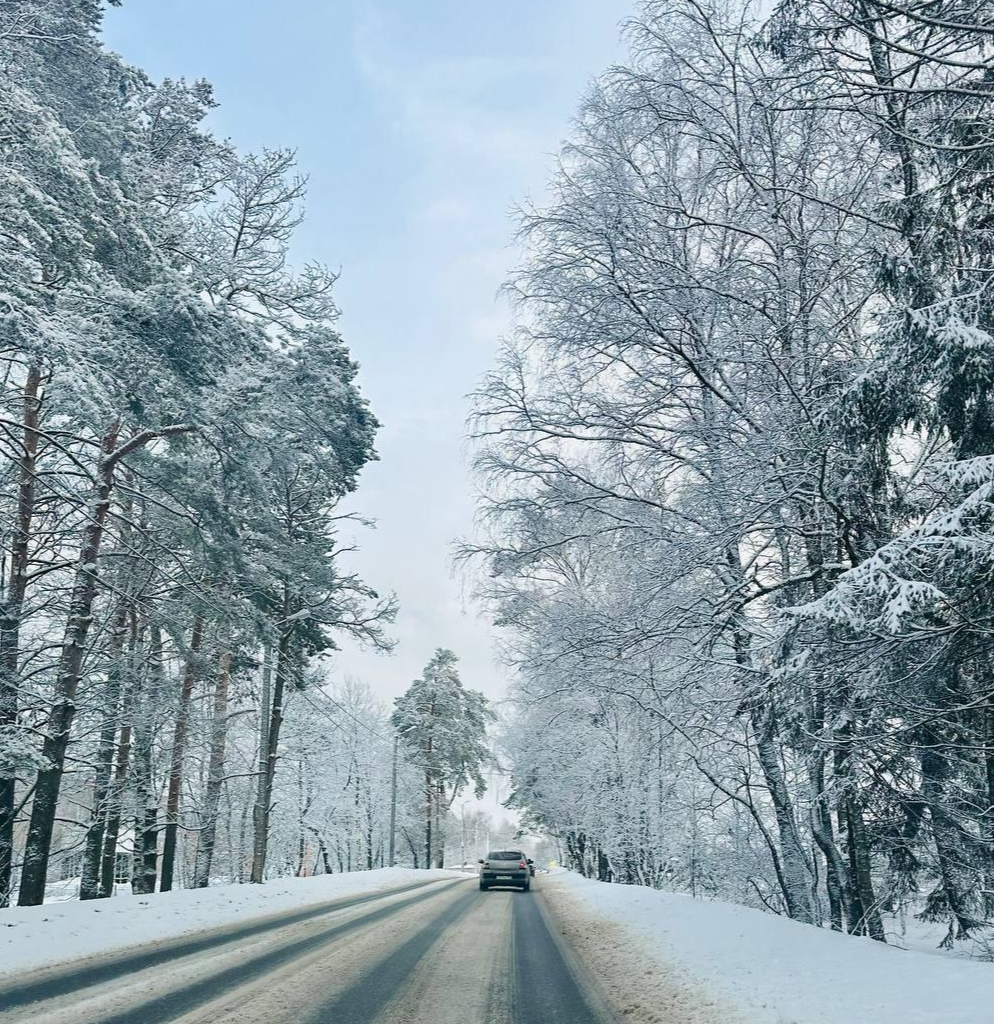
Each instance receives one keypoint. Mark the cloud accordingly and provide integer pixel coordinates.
(470, 103)
(466, 102)
(448, 210)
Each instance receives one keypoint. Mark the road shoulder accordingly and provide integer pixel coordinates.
(634, 986)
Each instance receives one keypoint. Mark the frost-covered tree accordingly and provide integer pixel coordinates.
(179, 422)
(443, 727)
(721, 520)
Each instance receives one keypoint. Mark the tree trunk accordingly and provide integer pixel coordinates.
(325, 860)
(272, 750)
(89, 882)
(429, 790)
(955, 871)
(260, 810)
(215, 776)
(369, 830)
(835, 874)
(429, 810)
(836, 880)
(412, 847)
(864, 914)
(794, 861)
(987, 815)
(11, 612)
(108, 862)
(603, 866)
(439, 834)
(49, 781)
(304, 804)
(860, 871)
(176, 761)
(46, 797)
(143, 873)
(392, 854)
(129, 690)
(242, 852)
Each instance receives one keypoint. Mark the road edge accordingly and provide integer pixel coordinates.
(633, 985)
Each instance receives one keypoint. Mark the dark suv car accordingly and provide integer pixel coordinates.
(505, 867)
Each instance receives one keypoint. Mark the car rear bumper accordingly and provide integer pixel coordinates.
(504, 877)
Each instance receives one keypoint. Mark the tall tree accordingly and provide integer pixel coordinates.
(444, 727)
(179, 421)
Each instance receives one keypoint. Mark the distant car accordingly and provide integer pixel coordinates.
(505, 867)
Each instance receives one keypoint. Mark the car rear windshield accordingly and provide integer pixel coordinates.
(505, 855)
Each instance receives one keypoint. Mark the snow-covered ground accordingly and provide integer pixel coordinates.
(38, 936)
(668, 957)
(908, 932)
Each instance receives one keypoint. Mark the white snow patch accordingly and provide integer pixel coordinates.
(767, 969)
(32, 937)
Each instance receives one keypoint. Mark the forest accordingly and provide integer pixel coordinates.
(738, 529)
(179, 425)
(735, 464)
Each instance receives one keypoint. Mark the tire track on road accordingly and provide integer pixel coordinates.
(169, 1006)
(50, 983)
(465, 977)
(545, 986)
(363, 1001)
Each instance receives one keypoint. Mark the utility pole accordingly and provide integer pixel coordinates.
(392, 859)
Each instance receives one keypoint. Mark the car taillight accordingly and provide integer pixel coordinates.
(522, 864)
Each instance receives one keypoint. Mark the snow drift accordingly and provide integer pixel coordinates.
(767, 969)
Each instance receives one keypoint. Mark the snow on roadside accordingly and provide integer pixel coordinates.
(32, 937)
(640, 987)
(755, 967)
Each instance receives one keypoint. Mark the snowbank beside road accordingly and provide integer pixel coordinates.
(765, 969)
(39, 936)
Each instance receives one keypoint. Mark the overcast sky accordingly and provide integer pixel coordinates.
(420, 123)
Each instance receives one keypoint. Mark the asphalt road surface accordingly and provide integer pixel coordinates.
(430, 953)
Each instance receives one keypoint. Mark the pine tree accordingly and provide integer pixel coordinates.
(443, 727)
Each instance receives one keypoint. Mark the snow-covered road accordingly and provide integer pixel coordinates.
(440, 952)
